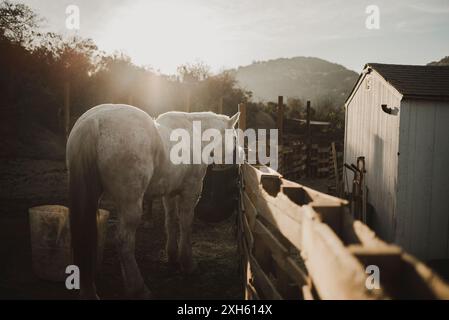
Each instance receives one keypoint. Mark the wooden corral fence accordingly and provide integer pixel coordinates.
(297, 243)
(293, 155)
(304, 152)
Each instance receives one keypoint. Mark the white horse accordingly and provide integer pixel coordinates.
(120, 150)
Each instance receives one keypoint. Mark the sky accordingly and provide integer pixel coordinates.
(164, 34)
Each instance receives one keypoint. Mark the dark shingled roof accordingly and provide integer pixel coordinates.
(421, 82)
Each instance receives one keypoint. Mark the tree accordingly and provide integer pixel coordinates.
(295, 108)
(18, 23)
(194, 72)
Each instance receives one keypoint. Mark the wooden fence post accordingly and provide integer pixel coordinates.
(280, 127)
(335, 165)
(309, 140)
(280, 119)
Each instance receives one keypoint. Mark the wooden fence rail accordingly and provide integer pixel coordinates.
(297, 243)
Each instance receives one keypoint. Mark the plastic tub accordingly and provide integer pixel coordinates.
(50, 240)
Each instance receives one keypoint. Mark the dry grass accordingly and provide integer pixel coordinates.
(25, 183)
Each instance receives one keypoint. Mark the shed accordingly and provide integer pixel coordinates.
(397, 117)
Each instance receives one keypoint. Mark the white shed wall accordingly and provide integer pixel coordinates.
(423, 193)
(372, 133)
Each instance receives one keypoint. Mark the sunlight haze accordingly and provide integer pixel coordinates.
(228, 34)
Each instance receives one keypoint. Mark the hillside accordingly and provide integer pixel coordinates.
(299, 77)
(443, 62)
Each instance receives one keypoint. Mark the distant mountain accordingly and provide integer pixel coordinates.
(442, 62)
(299, 77)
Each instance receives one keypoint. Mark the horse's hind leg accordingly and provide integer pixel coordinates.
(171, 211)
(129, 218)
(187, 203)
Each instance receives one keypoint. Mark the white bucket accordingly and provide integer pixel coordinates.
(50, 240)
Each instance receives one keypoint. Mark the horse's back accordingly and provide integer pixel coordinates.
(111, 112)
(128, 145)
(116, 125)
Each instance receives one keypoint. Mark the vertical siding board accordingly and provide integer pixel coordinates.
(423, 180)
(403, 202)
(410, 174)
(439, 215)
(422, 176)
(379, 150)
(386, 160)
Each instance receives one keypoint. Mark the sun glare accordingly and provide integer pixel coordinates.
(161, 34)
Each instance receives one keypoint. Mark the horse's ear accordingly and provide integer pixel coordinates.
(234, 120)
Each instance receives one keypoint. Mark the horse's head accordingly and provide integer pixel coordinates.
(201, 137)
(220, 147)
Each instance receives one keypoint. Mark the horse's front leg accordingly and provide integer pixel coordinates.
(171, 211)
(129, 218)
(187, 203)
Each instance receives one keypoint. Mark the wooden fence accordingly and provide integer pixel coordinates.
(302, 155)
(297, 243)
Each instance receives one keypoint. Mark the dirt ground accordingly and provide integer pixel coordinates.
(25, 183)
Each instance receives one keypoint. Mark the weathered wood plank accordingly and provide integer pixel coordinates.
(329, 208)
(247, 232)
(267, 177)
(336, 273)
(281, 255)
(251, 293)
(262, 281)
(421, 280)
(279, 211)
(366, 236)
(388, 259)
(307, 293)
(291, 196)
(241, 202)
(270, 240)
(251, 211)
(287, 226)
(334, 246)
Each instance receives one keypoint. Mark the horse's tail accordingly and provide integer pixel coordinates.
(84, 192)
